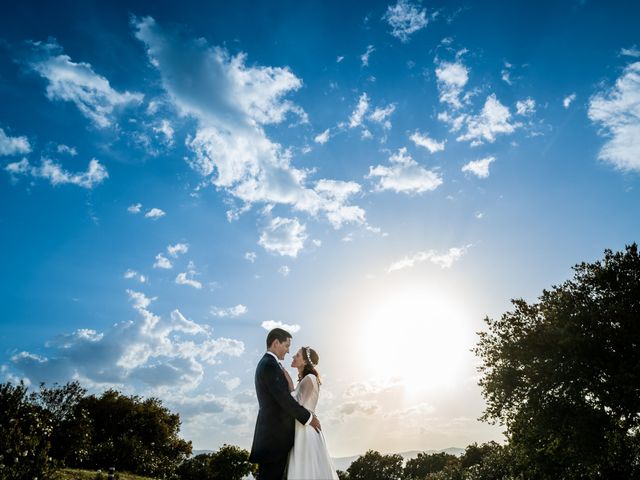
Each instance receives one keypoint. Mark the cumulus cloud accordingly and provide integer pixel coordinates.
(479, 168)
(494, 119)
(630, 52)
(166, 130)
(451, 80)
(231, 102)
(155, 213)
(323, 137)
(364, 58)
(355, 120)
(423, 140)
(78, 83)
(405, 19)
(134, 208)
(284, 236)
(162, 262)
(616, 111)
(235, 311)
(381, 115)
(271, 324)
(404, 175)
(251, 256)
(13, 145)
(155, 351)
(67, 149)
(132, 274)
(443, 260)
(568, 100)
(526, 107)
(186, 278)
(95, 174)
(178, 249)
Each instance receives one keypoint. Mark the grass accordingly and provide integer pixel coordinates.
(76, 474)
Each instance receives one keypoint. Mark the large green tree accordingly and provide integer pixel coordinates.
(375, 466)
(563, 374)
(135, 435)
(425, 463)
(25, 434)
(228, 463)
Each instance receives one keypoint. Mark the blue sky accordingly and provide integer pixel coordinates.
(177, 178)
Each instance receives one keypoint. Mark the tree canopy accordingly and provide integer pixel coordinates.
(563, 373)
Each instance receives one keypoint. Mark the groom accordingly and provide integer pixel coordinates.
(275, 427)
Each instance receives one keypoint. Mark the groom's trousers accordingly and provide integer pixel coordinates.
(272, 470)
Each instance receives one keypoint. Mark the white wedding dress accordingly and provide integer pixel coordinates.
(309, 458)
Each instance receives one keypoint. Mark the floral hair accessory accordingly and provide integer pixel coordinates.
(308, 352)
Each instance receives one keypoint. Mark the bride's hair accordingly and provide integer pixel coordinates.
(309, 354)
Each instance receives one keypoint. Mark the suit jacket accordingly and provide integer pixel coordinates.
(275, 426)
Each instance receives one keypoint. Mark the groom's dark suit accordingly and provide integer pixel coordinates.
(275, 427)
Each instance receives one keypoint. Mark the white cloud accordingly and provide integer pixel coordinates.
(162, 262)
(231, 102)
(78, 83)
(380, 115)
(617, 111)
(335, 195)
(284, 236)
(444, 260)
(364, 58)
(339, 58)
(231, 383)
(405, 19)
(156, 351)
(13, 145)
(405, 175)
(271, 324)
(134, 208)
(526, 107)
(630, 52)
(284, 271)
(186, 278)
(95, 174)
(423, 140)
(480, 168)
(358, 114)
(323, 137)
(166, 130)
(251, 256)
(568, 100)
(236, 311)
(492, 121)
(154, 213)
(132, 274)
(67, 149)
(178, 249)
(452, 77)
(506, 73)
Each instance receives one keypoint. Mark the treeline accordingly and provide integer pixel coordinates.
(63, 426)
(479, 462)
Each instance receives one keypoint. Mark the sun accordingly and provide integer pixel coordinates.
(418, 335)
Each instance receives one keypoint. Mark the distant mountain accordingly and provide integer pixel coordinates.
(343, 463)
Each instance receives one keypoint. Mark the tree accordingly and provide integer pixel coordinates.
(71, 424)
(474, 454)
(228, 463)
(131, 434)
(425, 463)
(25, 434)
(374, 466)
(563, 374)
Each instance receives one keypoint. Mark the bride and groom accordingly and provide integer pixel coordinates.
(288, 441)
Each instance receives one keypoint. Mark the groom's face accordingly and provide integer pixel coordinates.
(282, 348)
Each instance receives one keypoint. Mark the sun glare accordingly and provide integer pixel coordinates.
(417, 335)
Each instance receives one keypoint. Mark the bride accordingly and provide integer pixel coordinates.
(309, 458)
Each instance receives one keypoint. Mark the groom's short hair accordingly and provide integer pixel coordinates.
(277, 334)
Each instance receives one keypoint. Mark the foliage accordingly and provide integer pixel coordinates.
(425, 463)
(374, 466)
(563, 374)
(71, 424)
(131, 434)
(25, 434)
(228, 463)
(77, 474)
